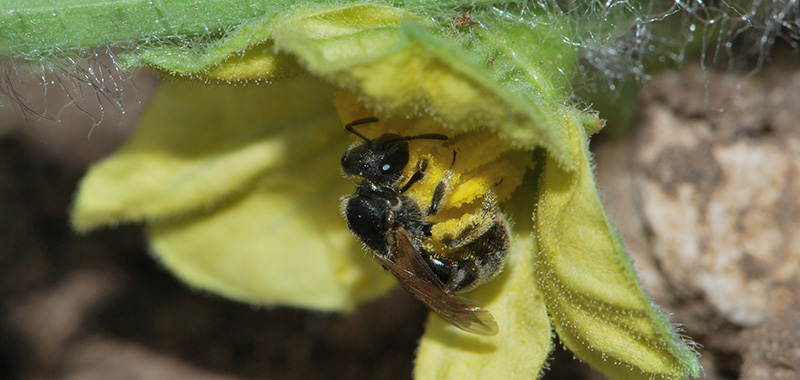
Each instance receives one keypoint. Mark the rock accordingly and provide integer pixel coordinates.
(705, 194)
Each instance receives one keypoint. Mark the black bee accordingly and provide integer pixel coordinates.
(394, 228)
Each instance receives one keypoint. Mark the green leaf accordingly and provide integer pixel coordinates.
(46, 27)
(598, 307)
(43, 28)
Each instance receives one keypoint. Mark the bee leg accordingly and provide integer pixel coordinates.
(478, 253)
(422, 165)
(442, 189)
(482, 259)
(440, 192)
(477, 224)
(477, 262)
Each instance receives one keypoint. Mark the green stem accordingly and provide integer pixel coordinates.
(40, 28)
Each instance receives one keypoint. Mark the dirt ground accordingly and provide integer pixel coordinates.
(704, 190)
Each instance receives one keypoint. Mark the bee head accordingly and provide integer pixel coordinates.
(380, 161)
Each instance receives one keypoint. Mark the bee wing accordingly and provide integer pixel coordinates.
(417, 277)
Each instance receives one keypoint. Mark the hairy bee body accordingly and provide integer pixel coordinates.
(398, 231)
(373, 211)
(476, 262)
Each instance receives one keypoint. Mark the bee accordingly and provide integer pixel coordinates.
(398, 232)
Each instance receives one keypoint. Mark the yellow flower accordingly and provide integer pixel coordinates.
(240, 185)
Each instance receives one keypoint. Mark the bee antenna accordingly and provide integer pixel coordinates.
(372, 119)
(426, 136)
(349, 126)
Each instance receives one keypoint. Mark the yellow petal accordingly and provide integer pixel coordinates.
(398, 67)
(598, 306)
(259, 62)
(281, 244)
(522, 344)
(198, 145)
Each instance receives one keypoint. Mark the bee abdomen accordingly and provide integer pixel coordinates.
(476, 262)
